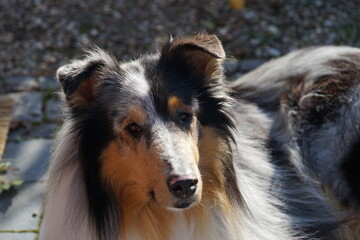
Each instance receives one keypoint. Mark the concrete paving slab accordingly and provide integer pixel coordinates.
(28, 108)
(20, 209)
(18, 236)
(29, 159)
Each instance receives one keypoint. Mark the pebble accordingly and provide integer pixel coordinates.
(273, 30)
(273, 52)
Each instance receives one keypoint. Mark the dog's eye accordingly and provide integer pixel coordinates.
(134, 130)
(184, 116)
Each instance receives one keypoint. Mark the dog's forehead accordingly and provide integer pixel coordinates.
(131, 91)
(147, 84)
(134, 80)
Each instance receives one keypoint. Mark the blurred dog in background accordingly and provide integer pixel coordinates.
(163, 147)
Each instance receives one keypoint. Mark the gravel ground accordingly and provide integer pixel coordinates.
(36, 36)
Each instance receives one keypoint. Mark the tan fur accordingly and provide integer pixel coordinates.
(175, 104)
(208, 43)
(85, 93)
(203, 51)
(205, 63)
(213, 150)
(136, 115)
(350, 229)
(132, 173)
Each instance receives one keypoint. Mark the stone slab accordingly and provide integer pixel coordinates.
(21, 83)
(2, 86)
(29, 159)
(47, 130)
(18, 236)
(28, 108)
(17, 134)
(20, 209)
(48, 82)
(53, 110)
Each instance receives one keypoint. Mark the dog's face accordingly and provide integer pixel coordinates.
(146, 116)
(154, 155)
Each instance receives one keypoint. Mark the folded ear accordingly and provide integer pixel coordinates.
(81, 79)
(203, 52)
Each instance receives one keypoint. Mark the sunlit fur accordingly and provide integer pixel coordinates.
(132, 126)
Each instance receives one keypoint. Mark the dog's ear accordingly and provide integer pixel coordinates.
(203, 52)
(81, 79)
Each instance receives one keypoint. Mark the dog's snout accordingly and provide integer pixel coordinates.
(182, 187)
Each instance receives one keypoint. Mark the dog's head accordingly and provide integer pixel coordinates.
(139, 123)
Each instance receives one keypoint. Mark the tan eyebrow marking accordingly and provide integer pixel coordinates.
(175, 104)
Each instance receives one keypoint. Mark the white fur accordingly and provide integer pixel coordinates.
(271, 79)
(65, 215)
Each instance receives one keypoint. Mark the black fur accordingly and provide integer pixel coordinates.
(94, 133)
(179, 75)
(350, 170)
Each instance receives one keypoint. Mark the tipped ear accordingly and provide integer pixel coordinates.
(203, 52)
(81, 79)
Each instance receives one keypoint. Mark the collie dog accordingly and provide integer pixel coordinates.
(164, 148)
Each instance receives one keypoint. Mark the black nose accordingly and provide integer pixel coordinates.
(182, 186)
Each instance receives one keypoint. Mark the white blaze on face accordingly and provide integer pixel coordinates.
(135, 81)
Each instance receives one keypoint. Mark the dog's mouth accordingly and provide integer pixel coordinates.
(178, 205)
(183, 205)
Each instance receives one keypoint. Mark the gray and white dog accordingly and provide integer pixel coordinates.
(163, 147)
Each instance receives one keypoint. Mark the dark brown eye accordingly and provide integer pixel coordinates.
(184, 117)
(134, 130)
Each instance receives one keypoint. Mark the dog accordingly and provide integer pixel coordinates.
(164, 147)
